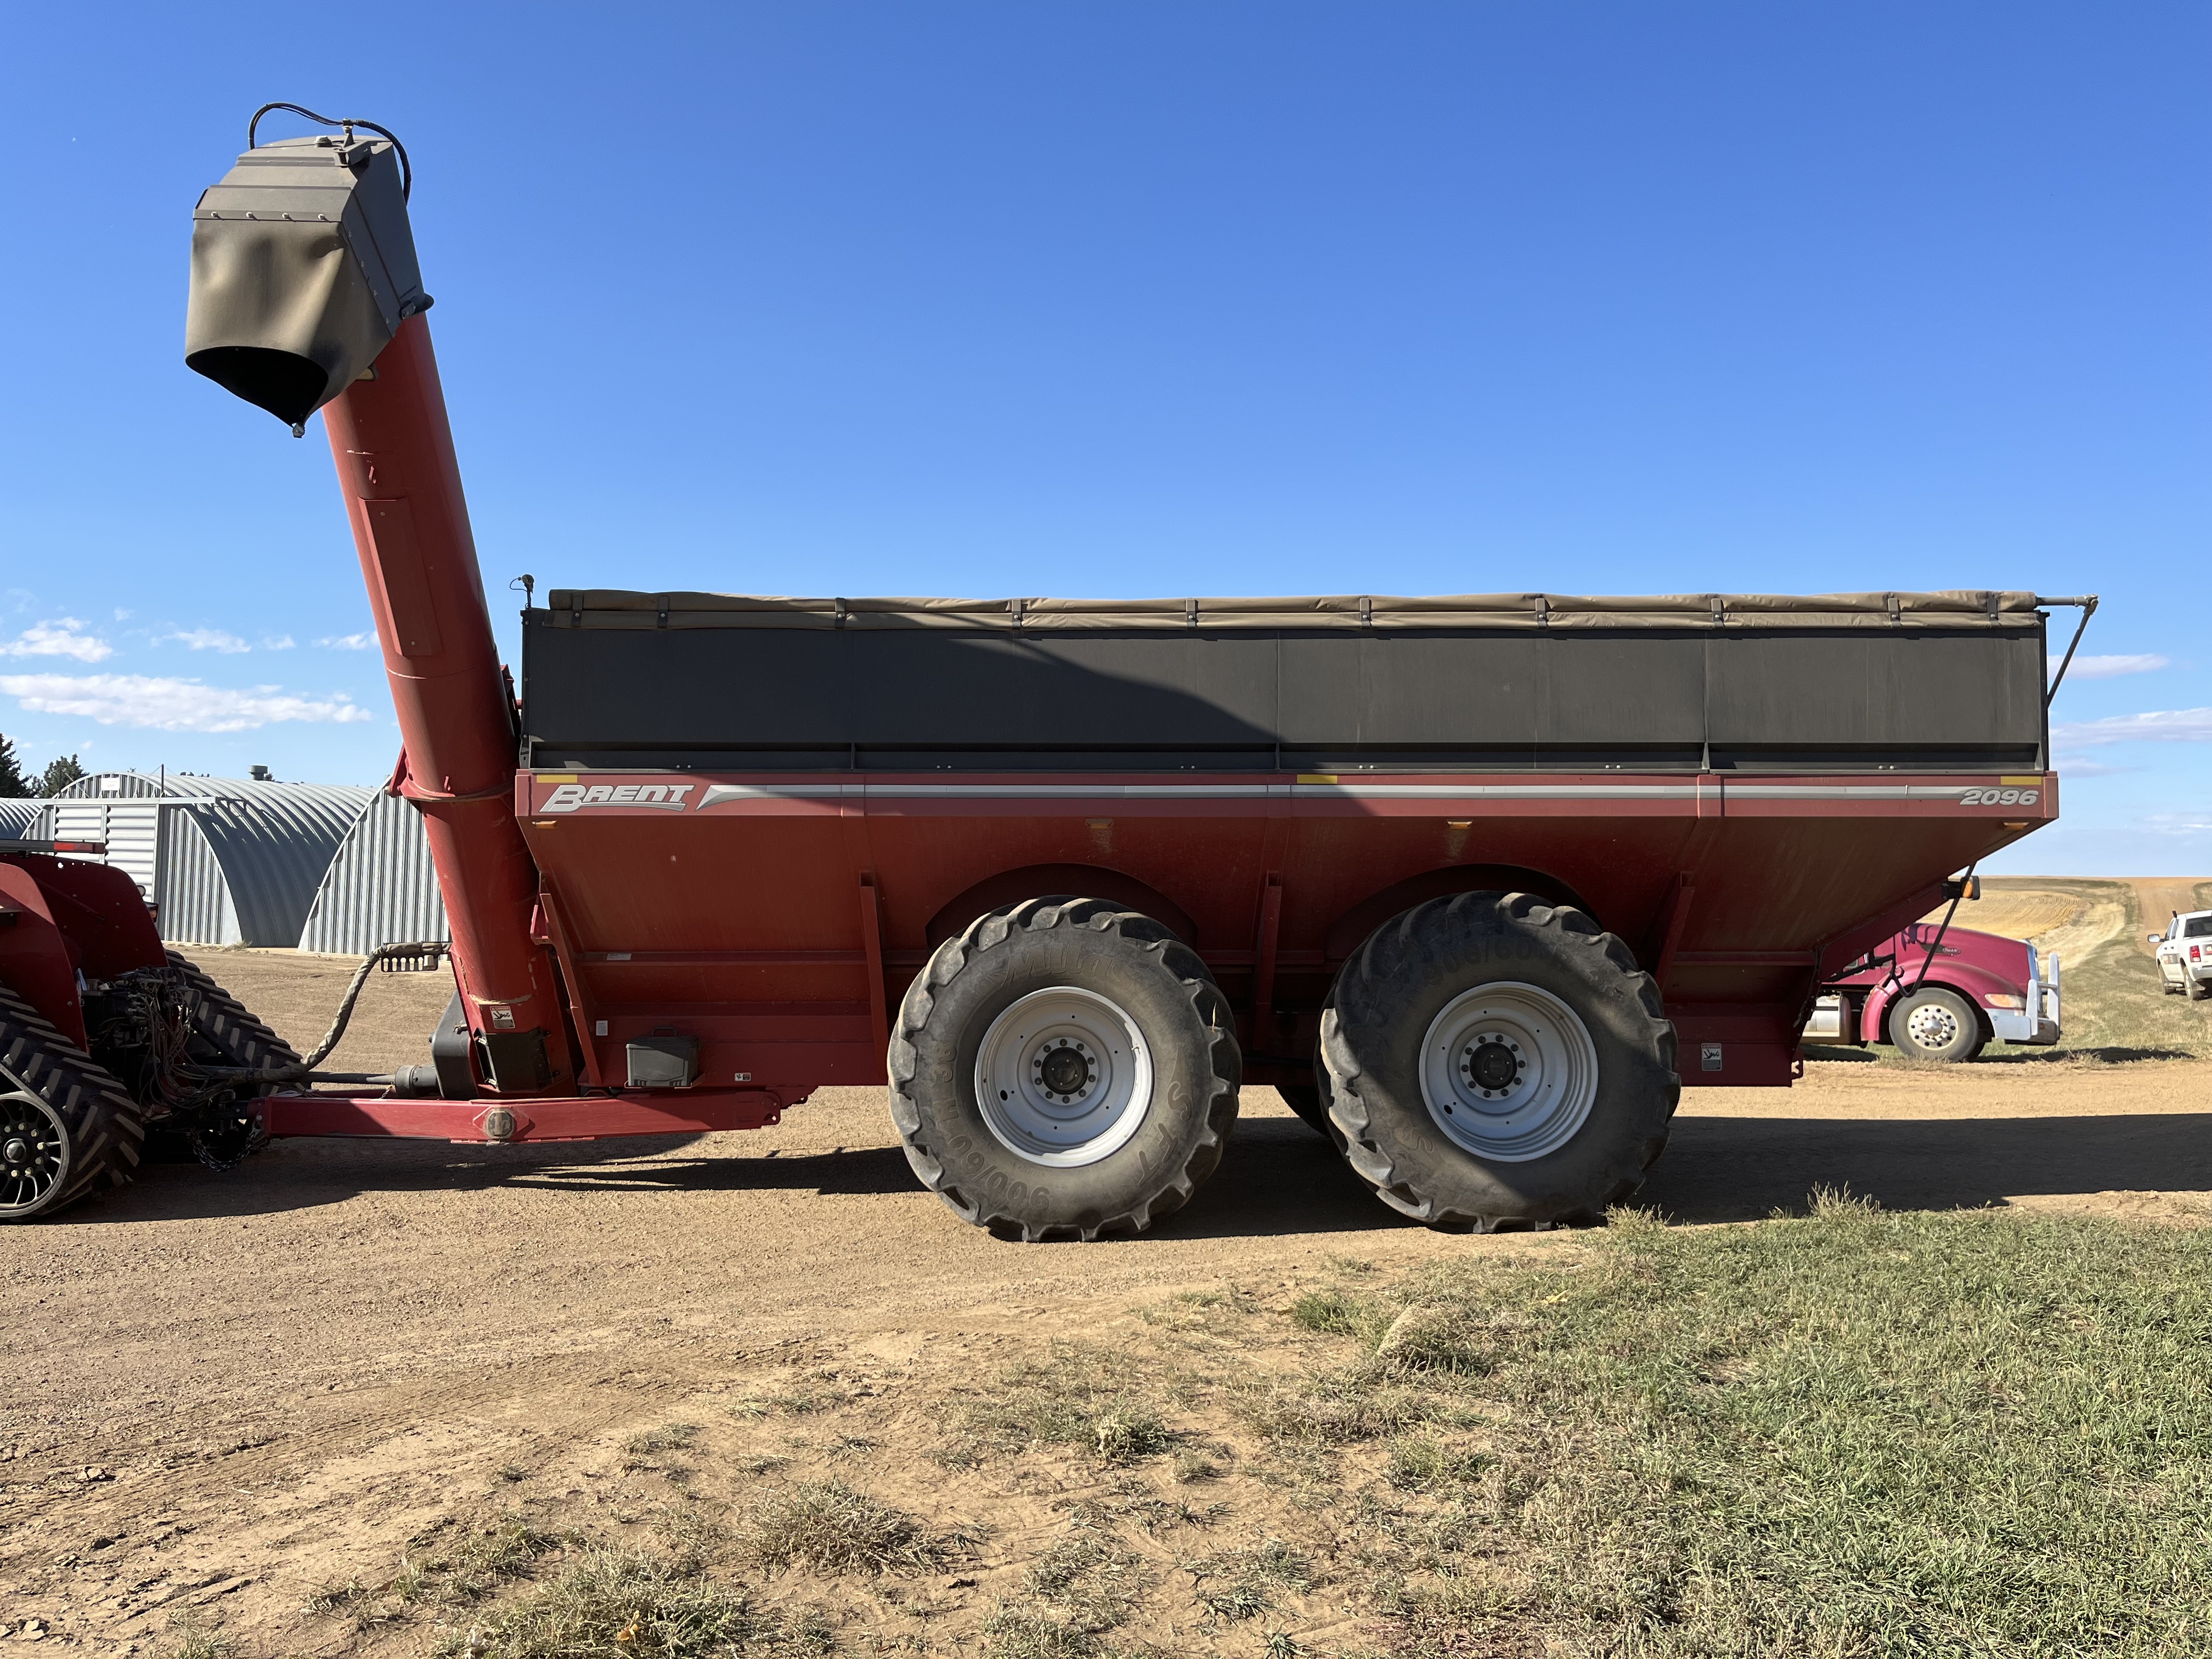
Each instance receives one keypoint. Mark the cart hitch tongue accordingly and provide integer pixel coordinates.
(303, 269)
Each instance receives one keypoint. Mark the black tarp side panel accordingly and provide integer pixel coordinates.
(1957, 688)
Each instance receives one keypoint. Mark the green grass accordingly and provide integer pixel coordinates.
(1846, 1434)
(1083, 1395)
(1091, 1578)
(196, 1640)
(1032, 1633)
(456, 1564)
(621, 1604)
(1853, 1433)
(828, 1526)
(668, 1437)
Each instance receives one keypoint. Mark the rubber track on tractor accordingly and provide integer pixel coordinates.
(103, 1123)
(223, 1020)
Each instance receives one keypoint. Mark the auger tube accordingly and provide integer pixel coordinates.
(305, 294)
(393, 447)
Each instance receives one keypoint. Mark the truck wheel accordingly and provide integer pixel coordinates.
(67, 1129)
(1493, 1061)
(229, 1130)
(1935, 1024)
(1064, 1068)
(2199, 989)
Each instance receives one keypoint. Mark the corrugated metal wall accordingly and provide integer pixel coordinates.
(130, 829)
(194, 895)
(380, 889)
(19, 820)
(237, 862)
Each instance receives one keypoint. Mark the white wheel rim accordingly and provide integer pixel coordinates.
(1064, 1077)
(1509, 1072)
(1932, 1025)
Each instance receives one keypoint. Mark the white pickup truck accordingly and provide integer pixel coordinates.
(2185, 955)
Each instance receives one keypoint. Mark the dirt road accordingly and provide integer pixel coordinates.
(2158, 899)
(249, 1383)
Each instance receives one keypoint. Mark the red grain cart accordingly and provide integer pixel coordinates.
(1470, 880)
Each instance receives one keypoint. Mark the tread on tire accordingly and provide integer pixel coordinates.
(1095, 946)
(1379, 1018)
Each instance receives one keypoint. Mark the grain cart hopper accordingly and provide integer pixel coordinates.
(1472, 881)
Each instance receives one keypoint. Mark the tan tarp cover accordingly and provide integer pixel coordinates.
(598, 607)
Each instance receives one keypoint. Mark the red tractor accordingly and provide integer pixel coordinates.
(1471, 880)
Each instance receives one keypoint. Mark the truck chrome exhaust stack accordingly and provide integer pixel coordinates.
(303, 269)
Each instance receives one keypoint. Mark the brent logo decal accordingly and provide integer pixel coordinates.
(668, 796)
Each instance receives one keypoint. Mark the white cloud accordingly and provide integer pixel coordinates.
(173, 705)
(61, 637)
(277, 642)
(208, 639)
(2160, 726)
(2080, 766)
(348, 642)
(2108, 668)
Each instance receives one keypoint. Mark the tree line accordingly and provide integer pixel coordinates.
(16, 783)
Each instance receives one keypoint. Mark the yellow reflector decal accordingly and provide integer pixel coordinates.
(557, 777)
(1316, 777)
(2038, 778)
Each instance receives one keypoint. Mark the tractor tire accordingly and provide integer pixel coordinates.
(1492, 1060)
(1064, 1068)
(1935, 1024)
(224, 1034)
(67, 1129)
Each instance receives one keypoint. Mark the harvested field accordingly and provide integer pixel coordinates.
(2114, 1008)
(760, 1391)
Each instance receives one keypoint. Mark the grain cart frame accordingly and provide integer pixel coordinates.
(1471, 880)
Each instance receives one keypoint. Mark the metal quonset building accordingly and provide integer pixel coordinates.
(381, 888)
(20, 817)
(224, 861)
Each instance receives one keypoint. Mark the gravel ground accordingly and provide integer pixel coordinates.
(222, 1389)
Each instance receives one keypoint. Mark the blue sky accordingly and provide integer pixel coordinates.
(1146, 299)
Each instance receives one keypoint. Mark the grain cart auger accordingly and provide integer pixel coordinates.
(1472, 881)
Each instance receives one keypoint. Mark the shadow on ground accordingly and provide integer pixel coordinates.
(2110, 1054)
(1280, 1177)
(1722, 1168)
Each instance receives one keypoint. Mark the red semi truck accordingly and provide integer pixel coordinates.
(1940, 992)
(1475, 882)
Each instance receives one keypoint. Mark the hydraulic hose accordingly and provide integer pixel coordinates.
(297, 1073)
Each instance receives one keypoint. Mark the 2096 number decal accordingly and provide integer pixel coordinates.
(2000, 797)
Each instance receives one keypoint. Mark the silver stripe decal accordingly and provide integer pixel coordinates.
(1500, 791)
(1076, 790)
(1625, 791)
